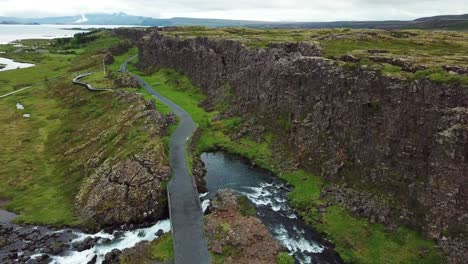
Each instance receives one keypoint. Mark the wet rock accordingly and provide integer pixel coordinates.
(93, 260)
(87, 243)
(55, 248)
(105, 240)
(159, 233)
(112, 257)
(30, 241)
(42, 259)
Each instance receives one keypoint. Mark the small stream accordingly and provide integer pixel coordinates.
(109, 241)
(269, 195)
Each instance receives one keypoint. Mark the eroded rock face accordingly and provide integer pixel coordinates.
(127, 188)
(227, 229)
(126, 192)
(124, 80)
(406, 139)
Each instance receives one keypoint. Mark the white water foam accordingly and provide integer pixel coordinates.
(203, 194)
(127, 240)
(269, 195)
(205, 204)
(296, 244)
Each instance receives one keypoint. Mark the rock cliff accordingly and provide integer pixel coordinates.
(126, 188)
(388, 143)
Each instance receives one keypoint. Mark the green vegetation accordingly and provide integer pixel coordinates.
(99, 80)
(359, 241)
(119, 59)
(162, 249)
(364, 243)
(44, 157)
(158, 251)
(284, 258)
(441, 76)
(246, 207)
(432, 49)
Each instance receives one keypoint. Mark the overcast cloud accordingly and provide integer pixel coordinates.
(284, 10)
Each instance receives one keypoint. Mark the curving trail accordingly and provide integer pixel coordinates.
(190, 245)
(76, 80)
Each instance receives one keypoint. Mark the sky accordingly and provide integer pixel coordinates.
(267, 10)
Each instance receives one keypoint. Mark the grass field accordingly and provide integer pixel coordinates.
(44, 156)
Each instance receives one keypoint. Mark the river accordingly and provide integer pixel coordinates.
(269, 195)
(266, 192)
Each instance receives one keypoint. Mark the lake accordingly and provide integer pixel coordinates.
(9, 33)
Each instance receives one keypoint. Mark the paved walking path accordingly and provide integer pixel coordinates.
(190, 245)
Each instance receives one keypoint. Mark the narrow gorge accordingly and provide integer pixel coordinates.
(393, 150)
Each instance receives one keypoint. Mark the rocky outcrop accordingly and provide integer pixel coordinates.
(108, 58)
(125, 192)
(407, 140)
(239, 238)
(126, 189)
(18, 244)
(124, 80)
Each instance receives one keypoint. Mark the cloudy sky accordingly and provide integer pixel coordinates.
(283, 10)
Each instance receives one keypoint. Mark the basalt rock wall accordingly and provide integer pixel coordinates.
(402, 143)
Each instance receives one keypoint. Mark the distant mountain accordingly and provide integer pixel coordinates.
(451, 22)
(124, 19)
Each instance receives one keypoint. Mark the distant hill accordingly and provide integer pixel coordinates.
(124, 19)
(450, 22)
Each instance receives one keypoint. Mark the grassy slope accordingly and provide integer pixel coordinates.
(159, 251)
(37, 174)
(356, 239)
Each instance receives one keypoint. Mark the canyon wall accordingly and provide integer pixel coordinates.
(396, 150)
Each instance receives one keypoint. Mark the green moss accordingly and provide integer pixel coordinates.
(391, 69)
(439, 75)
(285, 258)
(359, 241)
(225, 227)
(162, 248)
(306, 188)
(246, 207)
